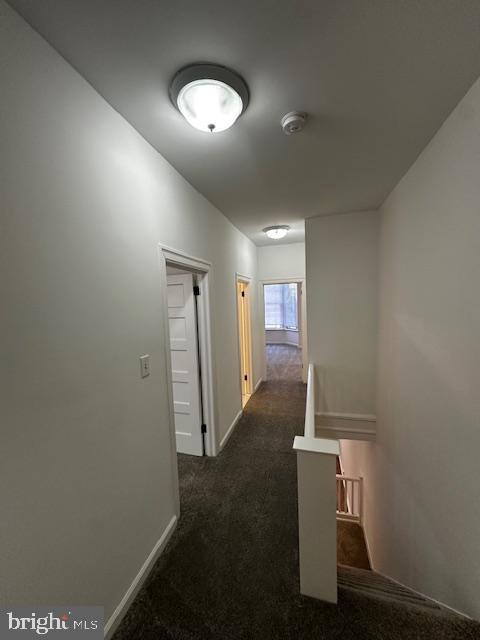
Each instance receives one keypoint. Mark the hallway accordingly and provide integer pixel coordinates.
(231, 569)
(284, 362)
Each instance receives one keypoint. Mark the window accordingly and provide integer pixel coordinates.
(281, 306)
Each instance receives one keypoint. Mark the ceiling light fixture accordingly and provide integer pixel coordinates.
(210, 97)
(277, 232)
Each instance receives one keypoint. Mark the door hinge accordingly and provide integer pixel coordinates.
(243, 294)
(245, 377)
(204, 428)
(196, 290)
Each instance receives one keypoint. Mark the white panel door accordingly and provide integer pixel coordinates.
(184, 356)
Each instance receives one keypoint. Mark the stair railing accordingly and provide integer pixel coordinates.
(317, 526)
(309, 430)
(350, 498)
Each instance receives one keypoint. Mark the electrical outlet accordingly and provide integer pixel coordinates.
(145, 365)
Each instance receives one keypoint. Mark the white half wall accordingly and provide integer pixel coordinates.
(87, 465)
(422, 474)
(341, 260)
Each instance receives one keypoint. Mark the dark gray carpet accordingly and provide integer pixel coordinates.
(351, 545)
(230, 570)
(284, 362)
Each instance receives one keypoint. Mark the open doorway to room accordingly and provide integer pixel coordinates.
(284, 333)
(244, 337)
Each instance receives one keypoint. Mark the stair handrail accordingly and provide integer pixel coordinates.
(309, 429)
(316, 465)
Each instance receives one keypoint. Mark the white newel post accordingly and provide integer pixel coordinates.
(317, 523)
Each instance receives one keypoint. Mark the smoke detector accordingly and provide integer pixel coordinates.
(293, 122)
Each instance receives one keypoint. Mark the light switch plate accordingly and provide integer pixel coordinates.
(145, 365)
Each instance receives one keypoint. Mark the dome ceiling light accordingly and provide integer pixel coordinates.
(277, 232)
(210, 97)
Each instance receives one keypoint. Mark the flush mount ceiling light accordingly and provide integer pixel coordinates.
(277, 232)
(209, 97)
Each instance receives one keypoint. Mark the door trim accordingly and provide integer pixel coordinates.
(246, 280)
(202, 268)
(303, 310)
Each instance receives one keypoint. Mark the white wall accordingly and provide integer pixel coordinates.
(341, 257)
(87, 478)
(423, 474)
(279, 261)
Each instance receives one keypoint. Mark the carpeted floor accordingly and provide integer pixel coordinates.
(230, 571)
(284, 362)
(351, 547)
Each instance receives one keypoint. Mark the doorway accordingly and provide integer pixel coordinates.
(189, 361)
(185, 361)
(244, 338)
(285, 330)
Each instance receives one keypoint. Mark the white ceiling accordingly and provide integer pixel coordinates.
(378, 77)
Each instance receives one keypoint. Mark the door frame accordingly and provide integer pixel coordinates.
(240, 278)
(303, 313)
(202, 268)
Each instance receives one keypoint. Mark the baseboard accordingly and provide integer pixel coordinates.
(351, 426)
(345, 434)
(255, 388)
(358, 417)
(116, 617)
(225, 438)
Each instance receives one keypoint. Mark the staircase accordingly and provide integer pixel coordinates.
(351, 545)
(374, 585)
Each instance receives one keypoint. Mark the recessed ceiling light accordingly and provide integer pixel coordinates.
(210, 97)
(277, 232)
